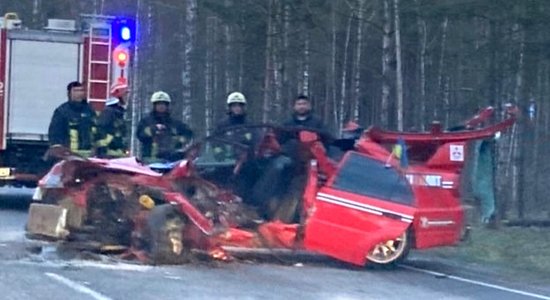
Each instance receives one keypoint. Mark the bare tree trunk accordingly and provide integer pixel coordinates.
(135, 103)
(344, 78)
(277, 61)
(357, 64)
(327, 115)
(286, 59)
(519, 166)
(209, 74)
(149, 79)
(384, 109)
(399, 74)
(36, 9)
(332, 77)
(227, 70)
(268, 63)
(188, 46)
(423, 41)
(440, 87)
(241, 68)
(305, 79)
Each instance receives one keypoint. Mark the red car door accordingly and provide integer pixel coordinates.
(363, 204)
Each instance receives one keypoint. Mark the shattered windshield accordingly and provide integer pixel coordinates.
(362, 175)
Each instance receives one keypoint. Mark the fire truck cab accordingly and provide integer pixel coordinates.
(35, 67)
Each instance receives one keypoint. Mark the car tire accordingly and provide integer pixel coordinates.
(164, 236)
(391, 252)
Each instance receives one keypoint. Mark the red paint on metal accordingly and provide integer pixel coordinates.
(100, 72)
(349, 234)
(204, 224)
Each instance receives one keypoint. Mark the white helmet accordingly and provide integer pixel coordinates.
(160, 96)
(236, 97)
(112, 101)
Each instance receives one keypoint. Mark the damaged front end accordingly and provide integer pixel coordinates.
(106, 206)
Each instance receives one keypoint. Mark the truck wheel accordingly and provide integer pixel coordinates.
(165, 235)
(391, 251)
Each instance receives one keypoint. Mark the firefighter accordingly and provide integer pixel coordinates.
(236, 117)
(73, 122)
(236, 112)
(111, 126)
(161, 136)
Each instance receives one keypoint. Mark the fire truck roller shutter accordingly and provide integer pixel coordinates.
(39, 72)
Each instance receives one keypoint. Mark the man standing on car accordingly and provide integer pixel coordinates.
(161, 136)
(303, 116)
(111, 126)
(73, 122)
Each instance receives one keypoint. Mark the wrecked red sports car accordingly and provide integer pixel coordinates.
(286, 188)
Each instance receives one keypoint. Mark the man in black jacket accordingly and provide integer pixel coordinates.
(304, 117)
(111, 126)
(73, 122)
(161, 135)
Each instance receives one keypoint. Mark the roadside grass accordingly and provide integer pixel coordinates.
(510, 248)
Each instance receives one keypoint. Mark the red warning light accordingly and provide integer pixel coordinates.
(121, 57)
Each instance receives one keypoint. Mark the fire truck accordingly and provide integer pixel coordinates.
(36, 66)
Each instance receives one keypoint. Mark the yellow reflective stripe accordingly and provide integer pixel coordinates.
(154, 150)
(106, 141)
(116, 153)
(147, 131)
(73, 139)
(84, 153)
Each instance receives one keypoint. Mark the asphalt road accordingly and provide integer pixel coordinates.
(24, 275)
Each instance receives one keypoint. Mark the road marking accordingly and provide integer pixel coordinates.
(119, 266)
(475, 282)
(85, 264)
(78, 287)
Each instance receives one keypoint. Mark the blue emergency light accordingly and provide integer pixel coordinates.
(125, 33)
(124, 30)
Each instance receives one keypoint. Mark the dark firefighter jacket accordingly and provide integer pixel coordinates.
(111, 132)
(230, 121)
(73, 126)
(244, 136)
(161, 136)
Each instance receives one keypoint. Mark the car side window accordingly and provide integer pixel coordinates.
(365, 176)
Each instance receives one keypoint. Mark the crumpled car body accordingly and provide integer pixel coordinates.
(357, 206)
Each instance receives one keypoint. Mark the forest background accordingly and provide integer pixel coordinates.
(399, 64)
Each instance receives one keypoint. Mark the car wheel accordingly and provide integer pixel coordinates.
(391, 251)
(165, 227)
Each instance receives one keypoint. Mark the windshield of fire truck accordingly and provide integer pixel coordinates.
(365, 176)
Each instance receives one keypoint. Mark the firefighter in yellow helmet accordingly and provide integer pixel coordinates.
(160, 134)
